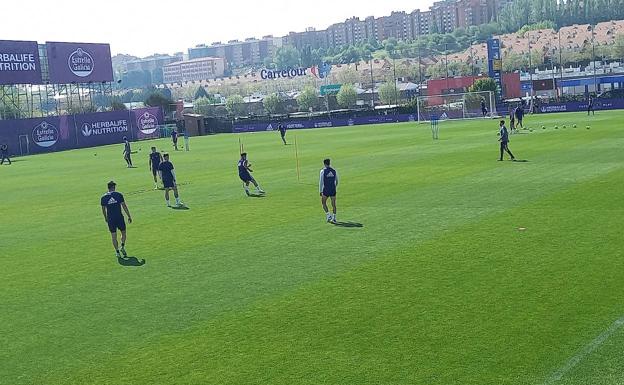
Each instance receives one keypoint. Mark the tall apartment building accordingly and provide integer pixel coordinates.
(152, 63)
(237, 53)
(194, 70)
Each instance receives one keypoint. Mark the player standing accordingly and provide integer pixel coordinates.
(112, 202)
(519, 116)
(484, 110)
(504, 142)
(168, 175)
(174, 139)
(328, 183)
(244, 173)
(187, 140)
(512, 120)
(282, 130)
(154, 163)
(127, 151)
(590, 106)
(4, 153)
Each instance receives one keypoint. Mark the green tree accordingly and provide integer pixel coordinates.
(117, 105)
(348, 75)
(347, 96)
(483, 84)
(286, 57)
(273, 103)
(389, 93)
(308, 98)
(200, 93)
(202, 106)
(235, 105)
(157, 99)
(618, 47)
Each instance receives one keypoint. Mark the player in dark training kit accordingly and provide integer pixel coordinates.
(519, 116)
(154, 163)
(282, 130)
(174, 139)
(167, 173)
(4, 153)
(127, 151)
(112, 202)
(484, 109)
(504, 142)
(328, 184)
(244, 173)
(590, 106)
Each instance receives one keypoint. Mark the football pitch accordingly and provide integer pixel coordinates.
(449, 267)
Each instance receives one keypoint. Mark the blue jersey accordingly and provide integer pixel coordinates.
(166, 171)
(504, 135)
(155, 160)
(112, 201)
(242, 167)
(328, 181)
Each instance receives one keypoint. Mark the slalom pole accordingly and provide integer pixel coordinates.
(297, 158)
(240, 146)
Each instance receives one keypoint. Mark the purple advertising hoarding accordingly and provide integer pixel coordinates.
(40, 135)
(146, 122)
(19, 62)
(79, 62)
(102, 128)
(599, 104)
(323, 123)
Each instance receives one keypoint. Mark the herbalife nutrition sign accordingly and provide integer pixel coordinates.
(19, 62)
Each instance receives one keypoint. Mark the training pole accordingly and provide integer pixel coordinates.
(297, 158)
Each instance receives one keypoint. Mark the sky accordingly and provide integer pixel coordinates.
(141, 27)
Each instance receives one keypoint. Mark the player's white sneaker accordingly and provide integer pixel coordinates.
(261, 191)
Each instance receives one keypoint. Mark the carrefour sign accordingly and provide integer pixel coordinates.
(284, 74)
(321, 71)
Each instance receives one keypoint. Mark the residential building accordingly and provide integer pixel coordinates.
(194, 70)
(153, 62)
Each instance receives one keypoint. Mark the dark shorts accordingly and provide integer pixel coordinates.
(155, 169)
(168, 183)
(245, 177)
(116, 224)
(503, 145)
(329, 193)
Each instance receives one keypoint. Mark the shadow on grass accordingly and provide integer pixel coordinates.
(131, 262)
(181, 208)
(350, 225)
(521, 161)
(256, 195)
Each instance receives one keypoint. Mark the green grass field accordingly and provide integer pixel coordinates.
(439, 286)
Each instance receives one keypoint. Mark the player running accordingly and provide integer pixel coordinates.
(328, 183)
(504, 142)
(112, 202)
(4, 153)
(174, 139)
(244, 173)
(282, 130)
(155, 159)
(127, 152)
(168, 175)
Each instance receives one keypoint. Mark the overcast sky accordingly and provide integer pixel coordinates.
(141, 27)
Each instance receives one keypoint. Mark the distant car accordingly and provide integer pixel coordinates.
(612, 94)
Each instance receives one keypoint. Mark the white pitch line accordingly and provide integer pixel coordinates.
(586, 351)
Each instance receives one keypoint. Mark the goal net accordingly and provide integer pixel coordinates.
(469, 105)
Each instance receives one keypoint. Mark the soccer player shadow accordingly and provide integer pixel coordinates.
(180, 208)
(131, 261)
(521, 161)
(350, 225)
(254, 195)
